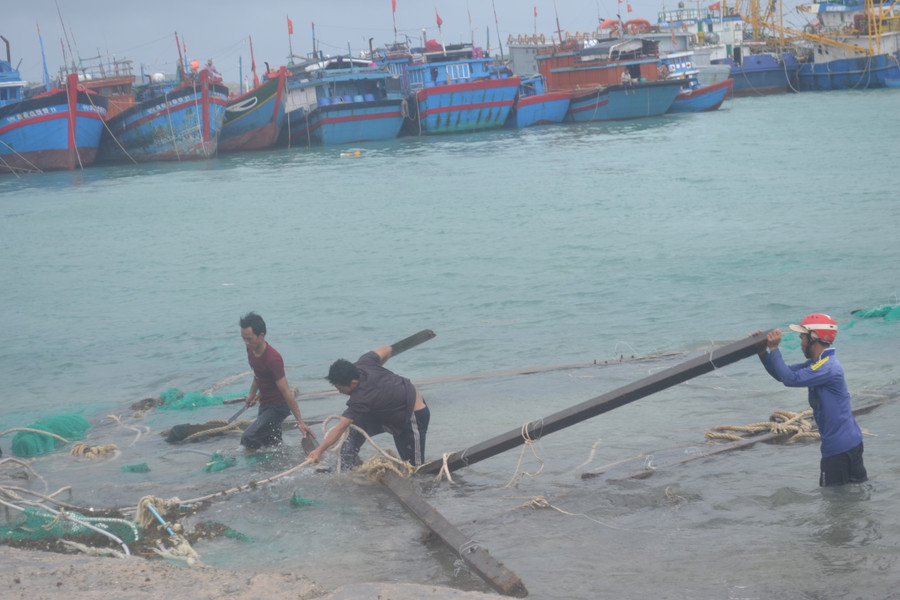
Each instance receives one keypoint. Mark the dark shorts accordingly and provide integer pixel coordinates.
(846, 467)
(266, 429)
(410, 440)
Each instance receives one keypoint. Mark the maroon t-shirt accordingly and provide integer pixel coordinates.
(268, 369)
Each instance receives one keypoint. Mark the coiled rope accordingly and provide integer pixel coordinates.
(781, 422)
(84, 450)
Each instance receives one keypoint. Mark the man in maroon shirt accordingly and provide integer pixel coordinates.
(269, 388)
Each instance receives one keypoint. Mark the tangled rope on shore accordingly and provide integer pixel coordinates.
(781, 422)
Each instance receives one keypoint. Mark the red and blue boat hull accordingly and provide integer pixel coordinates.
(621, 103)
(541, 109)
(346, 123)
(253, 120)
(467, 106)
(703, 98)
(182, 124)
(56, 131)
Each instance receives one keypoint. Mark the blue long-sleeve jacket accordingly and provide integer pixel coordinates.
(828, 397)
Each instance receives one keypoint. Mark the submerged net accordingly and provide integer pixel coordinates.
(31, 443)
(175, 399)
(39, 523)
(217, 462)
(887, 312)
(297, 500)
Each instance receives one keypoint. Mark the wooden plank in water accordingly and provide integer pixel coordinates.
(708, 361)
(490, 569)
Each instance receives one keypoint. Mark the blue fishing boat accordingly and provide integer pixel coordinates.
(452, 88)
(536, 106)
(851, 44)
(761, 74)
(254, 119)
(693, 97)
(610, 80)
(52, 131)
(341, 101)
(170, 120)
(701, 98)
(722, 37)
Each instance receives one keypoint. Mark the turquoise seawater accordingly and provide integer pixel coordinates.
(555, 246)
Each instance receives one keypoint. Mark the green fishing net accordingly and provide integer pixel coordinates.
(68, 426)
(888, 312)
(217, 462)
(139, 468)
(39, 523)
(260, 458)
(214, 529)
(236, 535)
(175, 399)
(301, 501)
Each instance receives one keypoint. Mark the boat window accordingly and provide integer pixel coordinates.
(458, 71)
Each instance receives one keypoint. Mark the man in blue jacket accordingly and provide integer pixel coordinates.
(822, 374)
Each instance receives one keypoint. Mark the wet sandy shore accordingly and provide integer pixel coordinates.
(31, 575)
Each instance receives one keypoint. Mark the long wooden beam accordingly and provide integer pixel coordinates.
(718, 449)
(709, 361)
(490, 569)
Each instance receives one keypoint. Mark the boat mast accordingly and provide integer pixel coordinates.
(253, 64)
(43, 59)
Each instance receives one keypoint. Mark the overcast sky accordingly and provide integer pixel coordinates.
(145, 31)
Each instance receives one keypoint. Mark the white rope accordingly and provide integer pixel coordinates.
(445, 469)
(528, 443)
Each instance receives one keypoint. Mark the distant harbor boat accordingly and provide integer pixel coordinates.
(171, 120)
(254, 119)
(53, 131)
(340, 100)
(720, 36)
(452, 88)
(534, 105)
(693, 97)
(852, 44)
(610, 80)
(113, 79)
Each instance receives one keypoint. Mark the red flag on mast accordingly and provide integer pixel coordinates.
(438, 18)
(290, 26)
(629, 7)
(393, 5)
(535, 11)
